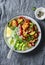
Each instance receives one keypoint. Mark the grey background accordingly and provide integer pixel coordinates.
(9, 9)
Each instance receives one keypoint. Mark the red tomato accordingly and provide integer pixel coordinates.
(21, 17)
(38, 33)
(27, 20)
(32, 44)
(33, 28)
(21, 30)
(16, 23)
(28, 32)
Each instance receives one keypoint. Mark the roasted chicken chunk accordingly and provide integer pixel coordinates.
(25, 25)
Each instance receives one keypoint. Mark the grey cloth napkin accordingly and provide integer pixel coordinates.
(10, 9)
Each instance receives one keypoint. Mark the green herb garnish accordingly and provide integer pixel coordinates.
(33, 8)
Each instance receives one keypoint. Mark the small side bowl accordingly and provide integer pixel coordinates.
(39, 38)
(40, 9)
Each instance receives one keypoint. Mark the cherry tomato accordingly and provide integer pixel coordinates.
(21, 31)
(32, 44)
(27, 21)
(21, 17)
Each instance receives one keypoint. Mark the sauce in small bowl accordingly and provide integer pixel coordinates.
(40, 13)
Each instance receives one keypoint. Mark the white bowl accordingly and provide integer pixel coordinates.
(39, 38)
(40, 9)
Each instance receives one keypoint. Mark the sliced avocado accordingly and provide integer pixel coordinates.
(17, 45)
(12, 41)
(20, 20)
(32, 33)
(23, 47)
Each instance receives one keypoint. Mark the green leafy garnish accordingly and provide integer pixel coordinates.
(33, 8)
(31, 25)
(28, 39)
(9, 24)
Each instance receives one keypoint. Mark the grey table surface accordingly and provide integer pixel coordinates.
(9, 9)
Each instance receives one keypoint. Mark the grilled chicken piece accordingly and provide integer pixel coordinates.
(14, 23)
(36, 35)
(35, 27)
(24, 33)
(25, 25)
(23, 37)
(33, 41)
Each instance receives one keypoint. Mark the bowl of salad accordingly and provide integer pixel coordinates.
(25, 30)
